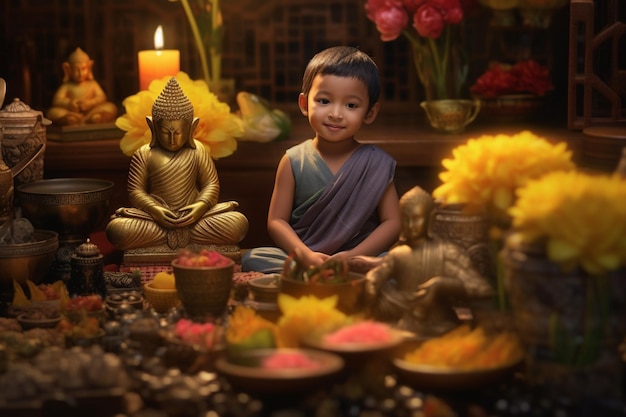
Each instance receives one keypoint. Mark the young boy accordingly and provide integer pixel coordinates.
(333, 197)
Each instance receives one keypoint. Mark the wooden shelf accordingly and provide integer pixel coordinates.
(247, 176)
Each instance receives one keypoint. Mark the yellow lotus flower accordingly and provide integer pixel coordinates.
(485, 172)
(581, 217)
(217, 130)
(307, 315)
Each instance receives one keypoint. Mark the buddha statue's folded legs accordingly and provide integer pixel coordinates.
(227, 228)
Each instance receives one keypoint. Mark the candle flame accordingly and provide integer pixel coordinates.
(158, 38)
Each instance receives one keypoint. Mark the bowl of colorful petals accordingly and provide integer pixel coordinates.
(279, 371)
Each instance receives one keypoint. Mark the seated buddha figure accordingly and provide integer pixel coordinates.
(422, 279)
(80, 99)
(173, 186)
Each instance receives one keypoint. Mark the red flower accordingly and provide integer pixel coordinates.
(523, 77)
(428, 17)
(450, 10)
(532, 77)
(411, 6)
(390, 22)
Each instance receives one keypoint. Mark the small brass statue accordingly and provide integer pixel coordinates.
(422, 279)
(80, 99)
(173, 186)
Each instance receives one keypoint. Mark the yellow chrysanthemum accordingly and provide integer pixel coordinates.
(580, 216)
(217, 130)
(307, 315)
(485, 172)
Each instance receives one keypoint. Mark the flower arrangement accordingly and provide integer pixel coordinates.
(205, 335)
(217, 130)
(579, 218)
(524, 77)
(484, 173)
(427, 24)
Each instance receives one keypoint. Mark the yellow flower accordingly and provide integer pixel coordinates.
(244, 323)
(217, 130)
(485, 172)
(307, 315)
(580, 216)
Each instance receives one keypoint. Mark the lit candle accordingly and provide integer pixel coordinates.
(157, 63)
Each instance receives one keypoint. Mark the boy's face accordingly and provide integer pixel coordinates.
(337, 107)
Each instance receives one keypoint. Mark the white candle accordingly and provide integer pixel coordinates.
(157, 63)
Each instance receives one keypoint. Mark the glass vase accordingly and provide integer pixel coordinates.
(441, 64)
(571, 323)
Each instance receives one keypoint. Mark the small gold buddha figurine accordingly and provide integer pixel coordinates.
(422, 279)
(80, 99)
(173, 186)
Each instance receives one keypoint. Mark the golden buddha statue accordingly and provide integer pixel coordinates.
(173, 186)
(423, 279)
(80, 99)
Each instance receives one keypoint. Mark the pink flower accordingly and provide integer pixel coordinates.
(428, 16)
(289, 360)
(390, 22)
(428, 21)
(361, 332)
(412, 5)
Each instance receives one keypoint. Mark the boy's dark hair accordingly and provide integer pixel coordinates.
(344, 61)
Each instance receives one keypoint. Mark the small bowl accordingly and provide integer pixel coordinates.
(132, 298)
(28, 261)
(265, 289)
(28, 323)
(161, 300)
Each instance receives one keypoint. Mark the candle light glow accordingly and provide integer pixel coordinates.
(157, 63)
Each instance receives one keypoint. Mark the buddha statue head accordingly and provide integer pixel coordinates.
(172, 123)
(78, 67)
(417, 207)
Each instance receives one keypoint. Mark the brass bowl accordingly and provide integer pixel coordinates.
(28, 261)
(70, 206)
(351, 294)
